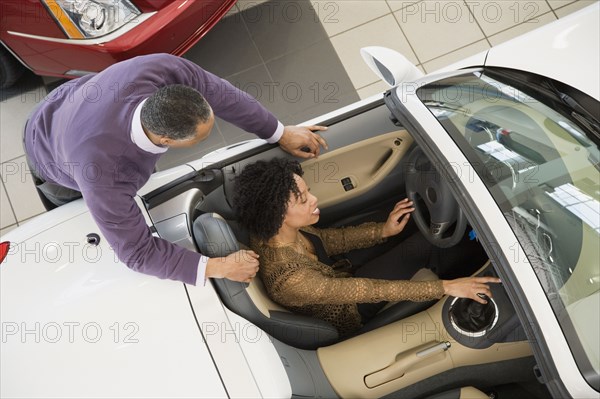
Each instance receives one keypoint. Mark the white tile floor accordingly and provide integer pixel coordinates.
(430, 33)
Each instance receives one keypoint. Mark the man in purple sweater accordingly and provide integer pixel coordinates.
(101, 135)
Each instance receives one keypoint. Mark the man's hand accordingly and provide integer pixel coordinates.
(397, 219)
(239, 266)
(298, 139)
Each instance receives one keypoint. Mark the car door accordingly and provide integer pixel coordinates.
(78, 323)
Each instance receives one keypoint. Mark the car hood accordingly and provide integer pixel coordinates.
(567, 50)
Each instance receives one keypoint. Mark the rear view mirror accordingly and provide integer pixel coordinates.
(390, 65)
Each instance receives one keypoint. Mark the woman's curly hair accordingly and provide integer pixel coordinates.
(262, 192)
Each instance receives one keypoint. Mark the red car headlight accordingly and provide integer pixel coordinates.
(83, 19)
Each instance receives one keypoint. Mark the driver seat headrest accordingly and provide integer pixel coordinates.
(215, 238)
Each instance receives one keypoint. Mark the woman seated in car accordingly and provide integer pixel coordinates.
(275, 206)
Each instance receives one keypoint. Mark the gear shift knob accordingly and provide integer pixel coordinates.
(471, 316)
(483, 296)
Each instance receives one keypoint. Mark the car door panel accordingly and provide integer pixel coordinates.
(349, 172)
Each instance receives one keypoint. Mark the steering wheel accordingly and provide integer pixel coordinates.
(425, 185)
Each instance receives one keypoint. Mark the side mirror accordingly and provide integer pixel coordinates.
(389, 65)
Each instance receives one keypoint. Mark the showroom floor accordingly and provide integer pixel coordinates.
(301, 59)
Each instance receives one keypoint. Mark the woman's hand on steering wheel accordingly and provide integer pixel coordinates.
(397, 219)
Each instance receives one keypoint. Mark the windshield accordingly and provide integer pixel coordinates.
(542, 170)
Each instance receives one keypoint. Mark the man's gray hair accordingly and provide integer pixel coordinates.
(175, 111)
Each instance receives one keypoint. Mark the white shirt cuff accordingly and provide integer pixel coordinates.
(277, 135)
(201, 276)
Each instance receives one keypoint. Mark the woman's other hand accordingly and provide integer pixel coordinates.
(398, 218)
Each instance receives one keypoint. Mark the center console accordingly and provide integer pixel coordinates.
(452, 334)
(478, 326)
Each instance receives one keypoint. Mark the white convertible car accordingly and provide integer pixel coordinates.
(502, 148)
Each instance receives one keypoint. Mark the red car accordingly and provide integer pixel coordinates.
(70, 38)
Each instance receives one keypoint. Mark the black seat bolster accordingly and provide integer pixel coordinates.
(301, 331)
(241, 234)
(213, 236)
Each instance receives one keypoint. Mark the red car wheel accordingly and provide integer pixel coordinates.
(10, 69)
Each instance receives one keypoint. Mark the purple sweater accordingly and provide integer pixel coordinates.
(80, 138)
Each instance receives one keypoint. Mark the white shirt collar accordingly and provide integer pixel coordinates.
(138, 136)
